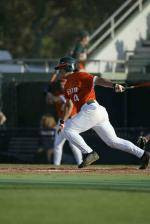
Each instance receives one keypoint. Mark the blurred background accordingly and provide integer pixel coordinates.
(35, 34)
(47, 28)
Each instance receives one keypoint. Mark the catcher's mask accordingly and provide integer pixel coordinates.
(67, 63)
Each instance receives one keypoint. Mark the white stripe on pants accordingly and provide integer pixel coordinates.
(96, 117)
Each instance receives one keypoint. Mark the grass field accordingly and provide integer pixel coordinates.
(67, 195)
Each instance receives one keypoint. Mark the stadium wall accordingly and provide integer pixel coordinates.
(127, 38)
(23, 102)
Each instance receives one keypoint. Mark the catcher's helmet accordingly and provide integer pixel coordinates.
(67, 63)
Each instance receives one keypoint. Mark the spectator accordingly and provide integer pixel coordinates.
(2, 118)
(46, 137)
(79, 52)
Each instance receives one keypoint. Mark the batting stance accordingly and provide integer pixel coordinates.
(55, 96)
(79, 89)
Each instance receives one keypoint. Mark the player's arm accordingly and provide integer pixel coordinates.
(51, 98)
(108, 83)
(66, 115)
(54, 76)
(67, 109)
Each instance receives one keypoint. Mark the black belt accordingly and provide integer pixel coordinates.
(90, 101)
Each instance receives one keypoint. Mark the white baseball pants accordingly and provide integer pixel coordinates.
(58, 149)
(95, 116)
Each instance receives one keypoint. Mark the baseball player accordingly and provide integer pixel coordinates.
(55, 96)
(79, 90)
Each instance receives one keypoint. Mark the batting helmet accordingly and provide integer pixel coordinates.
(67, 63)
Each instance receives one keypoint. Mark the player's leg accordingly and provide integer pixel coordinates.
(108, 135)
(75, 138)
(58, 148)
(77, 153)
(83, 121)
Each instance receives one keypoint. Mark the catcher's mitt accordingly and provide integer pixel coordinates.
(141, 142)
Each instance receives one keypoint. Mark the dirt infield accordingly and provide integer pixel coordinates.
(41, 169)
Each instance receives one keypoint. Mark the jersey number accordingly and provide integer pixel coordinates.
(75, 97)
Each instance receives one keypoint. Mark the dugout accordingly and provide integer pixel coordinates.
(23, 102)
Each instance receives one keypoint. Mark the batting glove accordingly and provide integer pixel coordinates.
(61, 126)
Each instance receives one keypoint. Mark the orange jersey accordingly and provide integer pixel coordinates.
(79, 88)
(57, 90)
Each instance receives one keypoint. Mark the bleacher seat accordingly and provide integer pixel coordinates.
(139, 61)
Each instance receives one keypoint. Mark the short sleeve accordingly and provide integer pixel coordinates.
(89, 79)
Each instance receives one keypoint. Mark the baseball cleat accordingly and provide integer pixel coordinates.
(89, 159)
(145, 160)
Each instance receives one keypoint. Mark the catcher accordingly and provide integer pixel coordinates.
(144, 141)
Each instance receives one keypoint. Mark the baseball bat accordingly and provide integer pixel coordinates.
(145, 84)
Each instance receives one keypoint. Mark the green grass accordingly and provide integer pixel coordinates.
(60, 198)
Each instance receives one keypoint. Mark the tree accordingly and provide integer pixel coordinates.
(47, 28)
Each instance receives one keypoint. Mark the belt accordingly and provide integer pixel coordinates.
(90, 101)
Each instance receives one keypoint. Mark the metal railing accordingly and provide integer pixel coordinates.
(44, 66)
(111, 66)
(47, 66)
(28, 65)
(109, 27)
